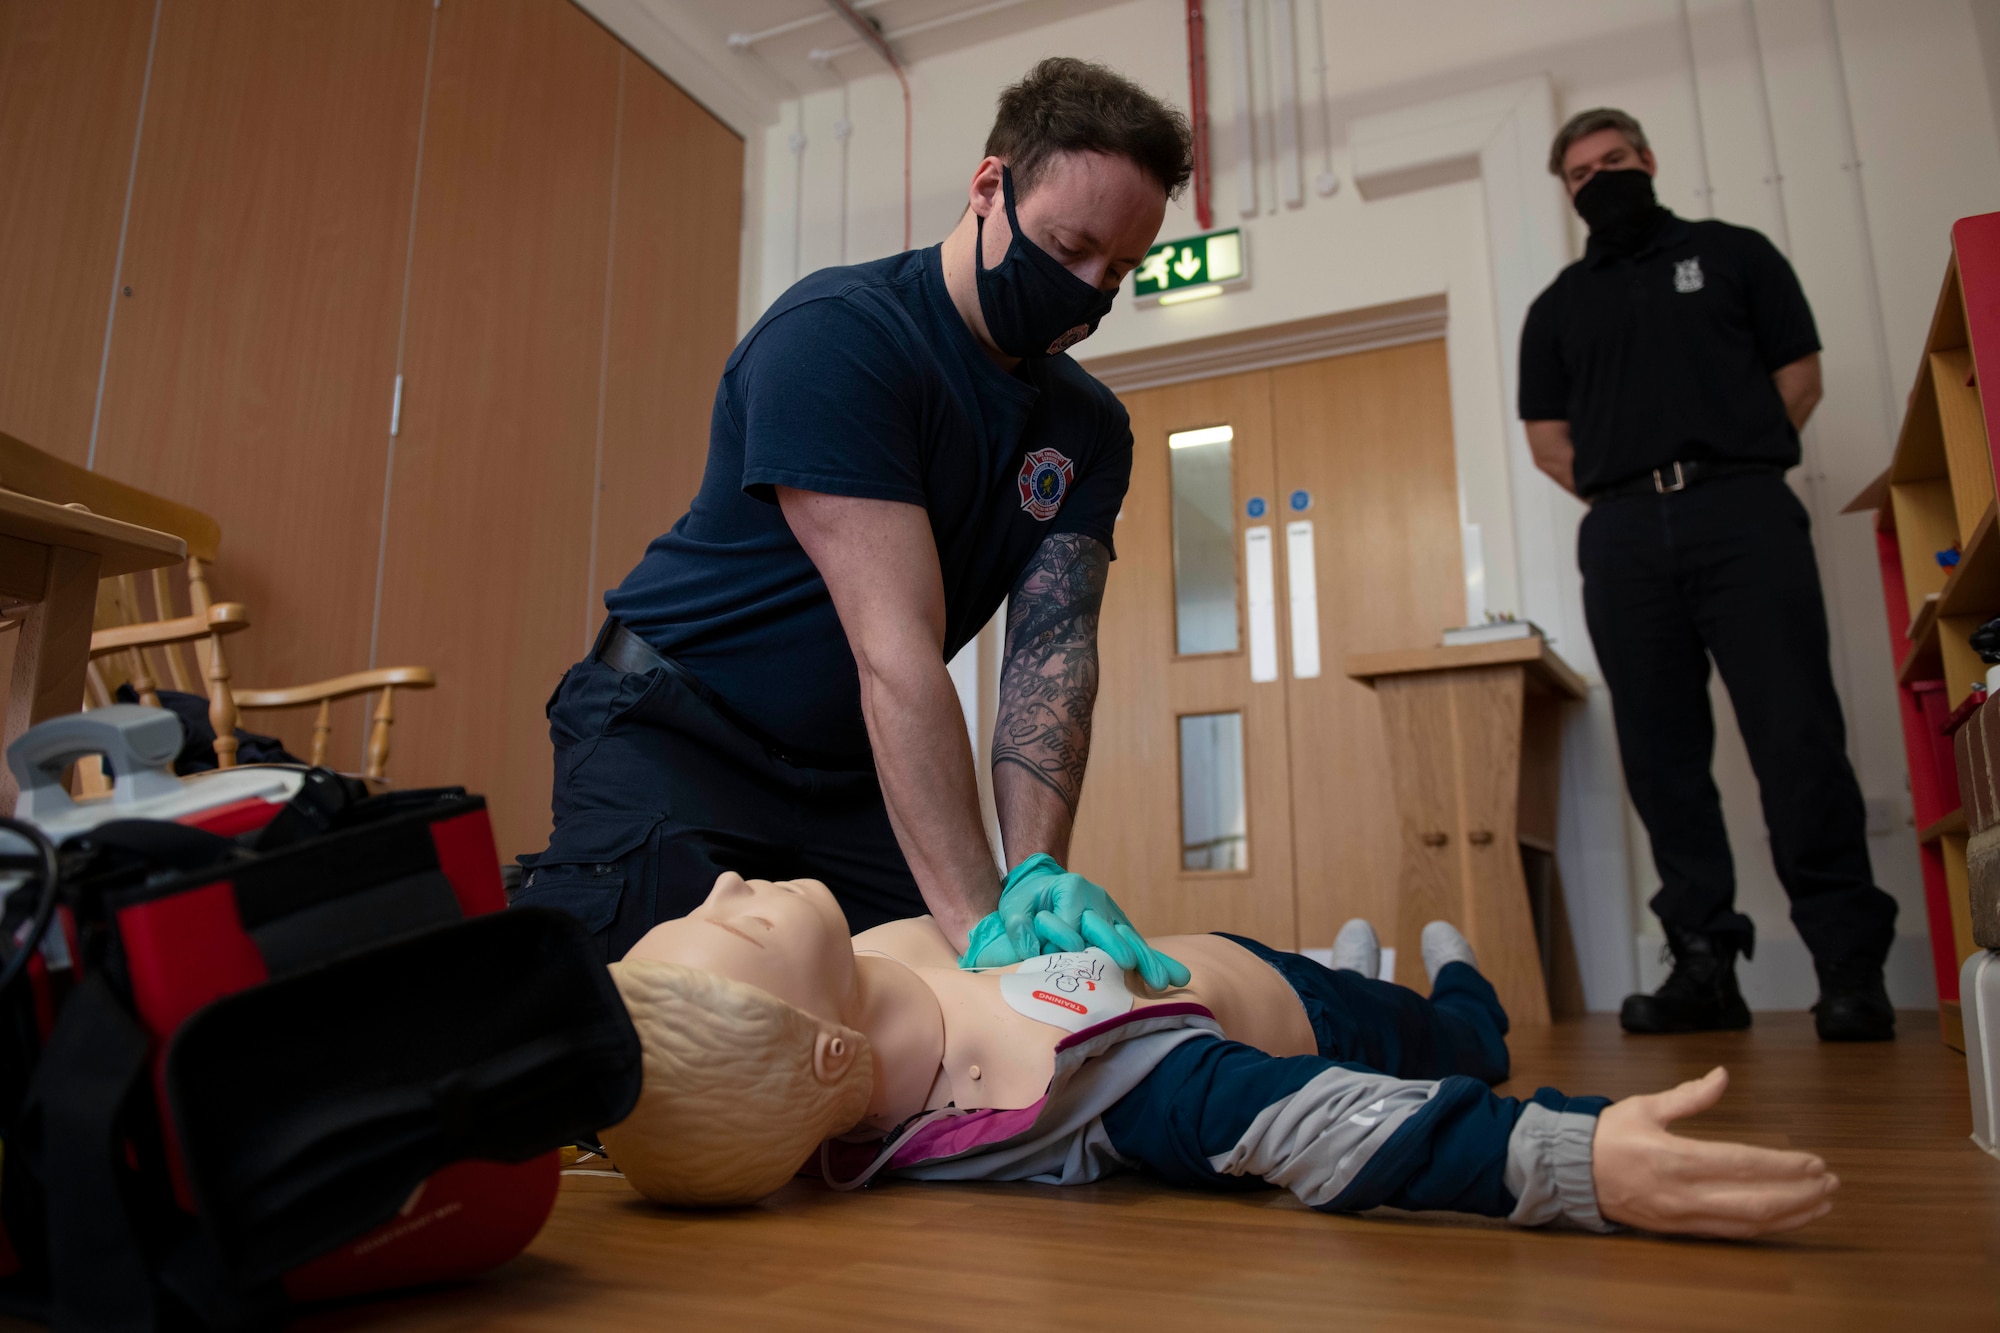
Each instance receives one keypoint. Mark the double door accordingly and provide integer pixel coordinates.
(1278, 521)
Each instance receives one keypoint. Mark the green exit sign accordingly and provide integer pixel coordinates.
(1196, 262)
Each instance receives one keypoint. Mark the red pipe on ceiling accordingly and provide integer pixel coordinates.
(1204, 215)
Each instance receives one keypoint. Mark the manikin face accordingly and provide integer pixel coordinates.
(1605, 150)
(787, 938)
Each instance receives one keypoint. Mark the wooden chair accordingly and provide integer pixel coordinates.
(143, 634)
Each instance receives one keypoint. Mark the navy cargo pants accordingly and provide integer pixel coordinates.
(657, 792)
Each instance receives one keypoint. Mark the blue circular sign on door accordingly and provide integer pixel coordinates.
(1256, 507)
(1301, 501)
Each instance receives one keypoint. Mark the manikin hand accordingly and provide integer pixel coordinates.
(1650, 1178)
(1045, 909)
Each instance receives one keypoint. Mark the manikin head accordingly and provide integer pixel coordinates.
(748, 1066)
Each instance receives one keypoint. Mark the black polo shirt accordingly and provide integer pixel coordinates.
(1667, 353)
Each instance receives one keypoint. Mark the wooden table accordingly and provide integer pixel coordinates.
(51, 558)
(1475, 752)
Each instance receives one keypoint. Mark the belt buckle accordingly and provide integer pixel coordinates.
(1660, 485)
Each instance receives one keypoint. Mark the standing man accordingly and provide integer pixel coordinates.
(1664, 379)
(895, 448)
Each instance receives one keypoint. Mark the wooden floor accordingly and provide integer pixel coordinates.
(1913, 1243)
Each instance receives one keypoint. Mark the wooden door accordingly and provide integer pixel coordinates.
(488, 534)
(253, 364)
(1367, 437)
(1365, 443)
(1133, 834)
(70, 79)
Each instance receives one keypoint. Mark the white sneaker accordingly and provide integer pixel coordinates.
(1443, 944)
(1355, 949)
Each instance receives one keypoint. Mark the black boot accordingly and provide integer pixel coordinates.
(1853, 1003)
(1700, 996)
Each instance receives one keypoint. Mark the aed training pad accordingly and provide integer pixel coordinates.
(309, 1107)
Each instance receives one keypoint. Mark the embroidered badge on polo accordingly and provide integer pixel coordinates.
(1687, 275)
(1069, 339)
(1071, 991)
(1045, 478)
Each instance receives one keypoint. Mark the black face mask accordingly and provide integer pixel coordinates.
(1620, 208)
(1032, 304)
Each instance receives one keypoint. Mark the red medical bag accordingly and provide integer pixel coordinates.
(284, 1046)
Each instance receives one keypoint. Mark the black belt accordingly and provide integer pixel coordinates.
(622, 650)
(1679, 477)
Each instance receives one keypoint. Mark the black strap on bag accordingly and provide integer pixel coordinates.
(73, 1130)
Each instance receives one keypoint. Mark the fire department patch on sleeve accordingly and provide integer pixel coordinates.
(1045, 478)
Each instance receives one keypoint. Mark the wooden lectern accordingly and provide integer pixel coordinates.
(1475, 750)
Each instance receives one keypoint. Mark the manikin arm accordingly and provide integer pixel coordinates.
(1649, 1178)
(1347, 1139)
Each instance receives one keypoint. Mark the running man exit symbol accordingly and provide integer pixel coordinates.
(1191, 262)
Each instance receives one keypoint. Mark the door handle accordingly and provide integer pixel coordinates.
(1261, 582)
(1303, 576)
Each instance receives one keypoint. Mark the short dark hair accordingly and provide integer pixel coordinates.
(1586, 123)
(1066, 105)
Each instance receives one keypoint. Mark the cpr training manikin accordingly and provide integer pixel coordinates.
(773, 1040)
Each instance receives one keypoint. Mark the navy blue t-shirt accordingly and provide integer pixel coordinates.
(864, 381)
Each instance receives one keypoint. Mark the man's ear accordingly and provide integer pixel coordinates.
(835, 1050)
(984, 194)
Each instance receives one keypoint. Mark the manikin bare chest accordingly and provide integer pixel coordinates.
(996, 1056)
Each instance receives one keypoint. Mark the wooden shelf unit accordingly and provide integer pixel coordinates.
(1936, 495)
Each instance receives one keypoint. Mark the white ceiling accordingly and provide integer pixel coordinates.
(780, 65)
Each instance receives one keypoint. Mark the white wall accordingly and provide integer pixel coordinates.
(1871, 260)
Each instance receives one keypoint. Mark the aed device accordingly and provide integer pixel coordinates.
(266, 1038)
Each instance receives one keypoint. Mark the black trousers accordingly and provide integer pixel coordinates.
(1725, 571)
(657, 793)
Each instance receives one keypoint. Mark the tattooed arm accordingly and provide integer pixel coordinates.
(1048, 687)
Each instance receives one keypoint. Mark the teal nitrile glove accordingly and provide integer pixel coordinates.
(1045, 909)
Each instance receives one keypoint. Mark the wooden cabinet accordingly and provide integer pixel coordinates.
(251, 369)
(492, 474)
(70, 81)
(672, 285)
(491, 199)
(1475, 737)
(1940, 561)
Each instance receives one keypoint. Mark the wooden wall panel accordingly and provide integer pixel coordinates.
(489, 523)
(70, 78)
(253, 365)
(1369, 434)
(673, 315)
